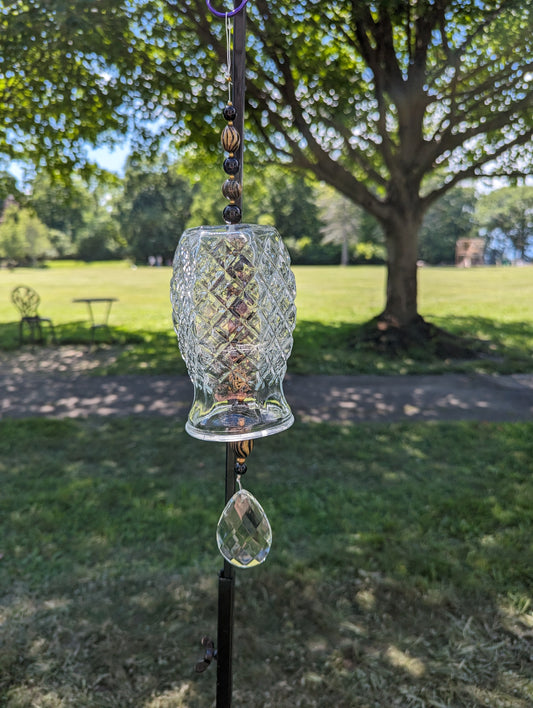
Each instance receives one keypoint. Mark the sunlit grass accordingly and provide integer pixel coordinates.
(491, 304)
(401, 566)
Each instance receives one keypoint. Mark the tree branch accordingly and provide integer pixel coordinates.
(473, 169)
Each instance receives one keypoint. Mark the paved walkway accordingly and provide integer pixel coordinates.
(56, 383)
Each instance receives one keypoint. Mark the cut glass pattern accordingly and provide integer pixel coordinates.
(232, 296)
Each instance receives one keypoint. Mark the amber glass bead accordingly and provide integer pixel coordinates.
(230, 139)
(231, 165)
(231, 189)
(230, 112)
(232, 214)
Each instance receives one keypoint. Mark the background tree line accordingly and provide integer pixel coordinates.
(143, 214)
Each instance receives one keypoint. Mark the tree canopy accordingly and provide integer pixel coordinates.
(68, 71)
(391, 102)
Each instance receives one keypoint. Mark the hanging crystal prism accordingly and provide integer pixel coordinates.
(244, 536)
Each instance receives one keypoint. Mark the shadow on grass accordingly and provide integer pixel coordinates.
(505, 347)
(399, 573)
(155, 353)
(70, 333)
(338, 348)
(137, 351)
(494, 333)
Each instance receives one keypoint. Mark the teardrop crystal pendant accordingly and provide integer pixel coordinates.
(244, 535)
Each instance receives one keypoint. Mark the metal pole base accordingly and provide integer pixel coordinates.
(226, 596)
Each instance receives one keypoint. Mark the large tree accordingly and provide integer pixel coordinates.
(392, 102)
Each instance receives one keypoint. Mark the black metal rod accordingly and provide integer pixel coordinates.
(226, 596)
(226, 579)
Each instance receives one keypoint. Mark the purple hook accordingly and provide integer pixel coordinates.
(226, 14)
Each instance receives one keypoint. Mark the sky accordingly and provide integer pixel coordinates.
(113, 160)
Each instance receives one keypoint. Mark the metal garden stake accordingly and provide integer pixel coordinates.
(232, 294)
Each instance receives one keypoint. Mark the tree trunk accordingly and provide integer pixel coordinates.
(401, 238)
(344, 252)
(399, 328)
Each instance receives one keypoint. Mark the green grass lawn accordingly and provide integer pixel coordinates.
(401, 568)
(400, 572)
(494, 304)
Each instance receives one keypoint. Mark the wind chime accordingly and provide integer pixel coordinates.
(232, 294)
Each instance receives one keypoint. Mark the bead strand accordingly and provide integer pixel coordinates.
(231, 189)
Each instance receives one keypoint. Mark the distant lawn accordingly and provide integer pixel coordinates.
(494, 304)
(400, 572)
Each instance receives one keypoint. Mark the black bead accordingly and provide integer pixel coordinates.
(240, 468)
(230, 112)
(232, 214)
(231, 165)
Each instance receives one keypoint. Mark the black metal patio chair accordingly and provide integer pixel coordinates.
(27, 300)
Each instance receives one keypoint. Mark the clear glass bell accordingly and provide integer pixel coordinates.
(232, 294)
